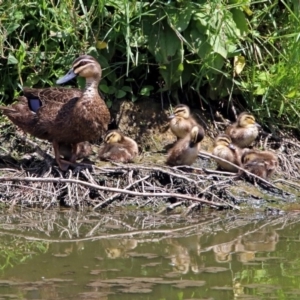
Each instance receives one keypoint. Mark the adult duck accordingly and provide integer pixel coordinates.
(64, 115)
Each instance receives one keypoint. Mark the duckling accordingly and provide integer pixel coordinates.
(182, 122)
(244, 131)
(260, 163)
(185, 151)
(84, 149)
(224, 149)
(118, 148)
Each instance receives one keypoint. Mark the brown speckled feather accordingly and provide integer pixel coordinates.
(53, 94)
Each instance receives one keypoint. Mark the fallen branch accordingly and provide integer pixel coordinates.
(109, 189)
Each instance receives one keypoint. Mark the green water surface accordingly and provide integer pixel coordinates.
(134, 255)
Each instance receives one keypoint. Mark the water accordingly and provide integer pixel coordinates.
(139, 255)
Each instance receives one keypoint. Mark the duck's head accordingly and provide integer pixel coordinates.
(249, 156)
(224, 140)
(196, 135)
(245, 120)
(113, 137)
(182, 111)
(84, 66)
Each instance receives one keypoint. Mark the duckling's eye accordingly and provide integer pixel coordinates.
(108, 138)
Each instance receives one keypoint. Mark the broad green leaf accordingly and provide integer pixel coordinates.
(259, 91)
(145, 91)
(111, 90)
(120, 94)
(11, 60)
(180, 17)
(126, 88)
(263, 76)
(199, 43)
(11, 28)
(240, 21)
(104, 88)
(219, 45)
(163, 42)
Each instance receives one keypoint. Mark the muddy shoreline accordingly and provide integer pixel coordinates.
(29, 177)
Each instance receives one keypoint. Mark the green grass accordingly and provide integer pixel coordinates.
(174, 50)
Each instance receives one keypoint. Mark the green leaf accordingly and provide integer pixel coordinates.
(219, 46)
(291, 94)
(11, 28)
(145, 91)
(260, 91)
(240, 21)
(120, 94)
(179, 17)
(104, 88)
(11, 60)
(126, 88)
(263, 76)
(163, 42)
(199, 43)
(111, 90)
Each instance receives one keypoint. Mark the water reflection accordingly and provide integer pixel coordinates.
(102, 256)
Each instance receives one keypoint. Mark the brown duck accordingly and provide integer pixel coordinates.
(244, 131)
(185, 151)
(182, 122)
(118, 147)
(223, 148)
(260, 163)
(64, 115)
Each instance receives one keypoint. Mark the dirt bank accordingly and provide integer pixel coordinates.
(29, 177)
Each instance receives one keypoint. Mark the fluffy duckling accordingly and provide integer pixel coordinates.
(185, 151)
(182, 122)
(118, 148)
(244, 131)
(224, 149)
(84, 149)
(260, 163)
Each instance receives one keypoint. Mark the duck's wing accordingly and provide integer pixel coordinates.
(53, 94)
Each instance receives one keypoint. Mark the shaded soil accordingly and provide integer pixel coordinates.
(147, 122)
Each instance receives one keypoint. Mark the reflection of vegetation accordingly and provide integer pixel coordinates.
(14, 251)
(216, 48)
(184, 258)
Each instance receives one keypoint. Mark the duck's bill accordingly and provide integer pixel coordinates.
(70, 75)
(257, 125)
(171, 117)
(232, 147)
